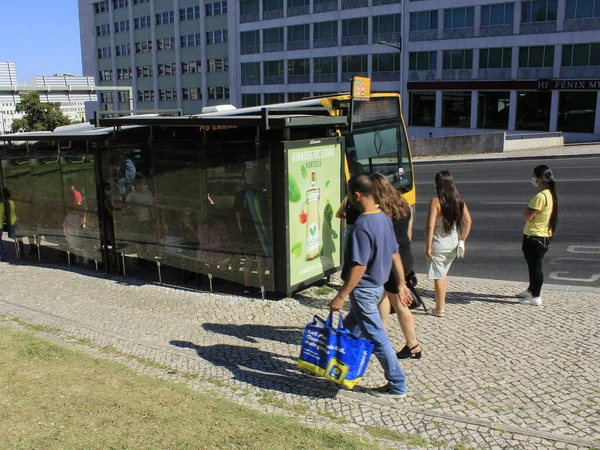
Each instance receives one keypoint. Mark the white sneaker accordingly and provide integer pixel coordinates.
(529, 300)
(524, 294)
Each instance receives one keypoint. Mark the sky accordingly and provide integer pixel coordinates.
(40, 36)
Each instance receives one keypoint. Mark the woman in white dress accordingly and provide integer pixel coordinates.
(446, 229)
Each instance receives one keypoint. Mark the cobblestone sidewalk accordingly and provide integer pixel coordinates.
(494, 374)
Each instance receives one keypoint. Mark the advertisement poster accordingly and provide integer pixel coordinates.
(314, 182)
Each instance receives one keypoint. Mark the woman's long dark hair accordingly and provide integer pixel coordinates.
(451, 202)
(544, 173)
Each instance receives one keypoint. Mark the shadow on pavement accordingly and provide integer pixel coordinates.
(262, 369)
(463, 298)
(252, 333)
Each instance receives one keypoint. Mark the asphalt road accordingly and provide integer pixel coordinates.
(497, 192)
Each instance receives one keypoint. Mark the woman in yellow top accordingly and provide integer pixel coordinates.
(540, 217)
(7, 206)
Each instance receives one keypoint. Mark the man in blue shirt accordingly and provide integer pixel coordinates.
(371, 253)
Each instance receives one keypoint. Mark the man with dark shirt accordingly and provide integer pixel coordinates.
(371, 253)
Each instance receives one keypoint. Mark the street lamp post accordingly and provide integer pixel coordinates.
(397, 47)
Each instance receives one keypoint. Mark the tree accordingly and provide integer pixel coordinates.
(38, 116)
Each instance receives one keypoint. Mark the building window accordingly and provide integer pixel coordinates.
(576, 112)
(107, 97)
(121, 26)
(457, 59)
(100, 7)
(298, 37)
(248, 7)
(218, 65)
(456, 109)
(167, 43)
(272, 99)
(581, 55)
(105, 75)
(422, 61)
(273, 39)
(167, 95)
(325, 30)
(495, 58)
(492, 110)
(188, 67)
(500, 14)
(123, 50)
(190, 40)
(386, 62)
(120, 4)
(459, 18)
(273, 69)
(141, 22)
(124, 74)
(216, 37)
(536, 56)
(582, 9)
(297, 96)
(191, 93)
(167, 69)
(326, 65)
(165, 18)
(422, 109)
(146, 96)
(216, 8)
(250, 42)
(143, 47)
(424, 21)
(218, 92)
(387, 24)
(191, 13)
(144, 71)
(139, 2)
(103, 30)
(533, 111)
(298, 67)
(355, 27)
(104, 53)
(250, 70)
(356, 64)
(249, 100)
(539, 11)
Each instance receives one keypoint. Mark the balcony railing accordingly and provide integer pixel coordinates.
(385, 2)
(273, 14)
(496, 30)
(580, 72)
(352, 4)
(252, 81)
(386, 76)
(326, 78)
(329, 42)
(582, 24)
(457, 74)
(538, 28)
(298, 79)
(276, 79)
(348, 75)
(392, 38)
(458, 33)
(298, 11)
(298, 45)
(273, 47)
(355, 40)
(535, 73)
(324, 7)
(245, 18)
(494, 74)
(249, 49)
(421, 75)
(426, 35)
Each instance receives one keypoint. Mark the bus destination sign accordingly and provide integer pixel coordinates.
(378, 108)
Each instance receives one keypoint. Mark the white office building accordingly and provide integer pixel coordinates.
(466, 66)
(72, 92)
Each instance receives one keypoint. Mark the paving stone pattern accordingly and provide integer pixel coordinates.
(494, 374)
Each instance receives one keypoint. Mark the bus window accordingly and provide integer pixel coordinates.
(381, 148)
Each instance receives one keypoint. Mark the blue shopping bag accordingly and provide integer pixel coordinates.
(334, 353)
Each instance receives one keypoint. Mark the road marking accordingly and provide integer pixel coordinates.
(585, 249)
(566, 258)
(557, 276)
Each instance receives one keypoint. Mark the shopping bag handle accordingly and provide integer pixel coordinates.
(329, 321)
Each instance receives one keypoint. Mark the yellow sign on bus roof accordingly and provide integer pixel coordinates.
(361, 89)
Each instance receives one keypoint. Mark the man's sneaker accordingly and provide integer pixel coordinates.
(524, 294)
(529, 300)
(387, 392)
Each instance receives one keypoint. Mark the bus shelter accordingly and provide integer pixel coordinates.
(249, 199)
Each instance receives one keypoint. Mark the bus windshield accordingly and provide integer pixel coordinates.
(381, 148)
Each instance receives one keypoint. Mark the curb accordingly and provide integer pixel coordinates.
(468, 159)
(523, 284)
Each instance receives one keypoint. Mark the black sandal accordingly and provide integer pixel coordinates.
(407, 353)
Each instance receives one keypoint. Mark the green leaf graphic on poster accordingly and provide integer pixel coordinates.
(327, 183)
(294, 191)
(304, 172)
(297, 249)
(328, 213)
